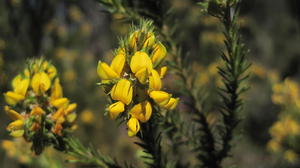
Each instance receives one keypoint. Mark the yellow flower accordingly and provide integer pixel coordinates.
(15, 125)
(142, 75)
(40, 83)
(87, 116)
(61, 102)
(17, 133)
(12, 113)
(70, 108)
(172, 103)
(133, 126)
(273, 146)
(149, 41)
(290, 156)
(22, 86)
(37, 111)
(162, 71)
(13, 98)
(122, 91)
(56, 91)
(51, 71)
(133, 38)
(118, 63)
(160, 97)
(105, 72)
(16, 81)
(142, 111)
(158, 54)
(140, 60)
(115, 109)
(154, 80)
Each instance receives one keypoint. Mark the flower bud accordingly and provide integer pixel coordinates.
(15, 125)
(149, 40)
(140, 60)
(133, 126)
(118, 63)
(122, 91)
(105, 72)
(162, 71)
(12, 113)
(160, 97)
(115, 109)
(142, 111)
(158, 54)
(171, 105)
(13, 98)
(40, 83)
(132, 41)
(154, 81)
(56, 91)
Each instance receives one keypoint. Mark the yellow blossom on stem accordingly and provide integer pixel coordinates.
(149, 40)
(133, 126)
(37, 111)
(160, 97)
(118, 63)
(158, 54)
(115, 109)
(162, 71)
(40, 83)
(172, 103)
(154, 81)
(12, 113)
(140, 60)
(142, 111)
(122, 91)
(105, 72)
(13, 98)
(61, 102)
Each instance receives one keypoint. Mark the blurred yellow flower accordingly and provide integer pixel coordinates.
(290, 156)
(87, 116)
(40, 83)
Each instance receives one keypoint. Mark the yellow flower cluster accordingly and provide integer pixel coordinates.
(133, 79)
(286, 130)
(36, 104)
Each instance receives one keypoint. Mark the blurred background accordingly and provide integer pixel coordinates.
(74, 35)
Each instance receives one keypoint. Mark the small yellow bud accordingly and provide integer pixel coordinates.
(37, 111)
(122, 91)
(17, 133)
(70, 108)
(40, 83)
(71, 117)
(118, 63)
(12, 113)
(51, 71)
(15, 125)
(154, 81)
(56, 91)
(105, 72)
(61, 102)
(158, 54)
(160, 97)
(162, 71)
(140, 60)
(142, 75)
(133, 38)
(13, 98)
(133, 126)
(172, 103)
(115, 109)
(149, 41)
(142, 111)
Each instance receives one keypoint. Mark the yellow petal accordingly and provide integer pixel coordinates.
(61, 102)
(15, 82)
(17, 133)
(51, 71)
(71, 117)
(149, 41)
(142, 75)
(15, 125)
(172, 103)
(12, 113)
(37, 111)
(122, 91)
(162, 71)
(22, 86)
(13, 98)
(154, 80)
(115, 109)
(140, 60)
(118, 63)
(56, 91)
(133, 126)
(59, 113)
(158, 54)
(70, 108)
(133, 38)
(105, 72)
(160, 97)
(142, 111)
(40, 83)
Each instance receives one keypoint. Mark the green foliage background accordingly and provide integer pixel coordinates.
(76, 34)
